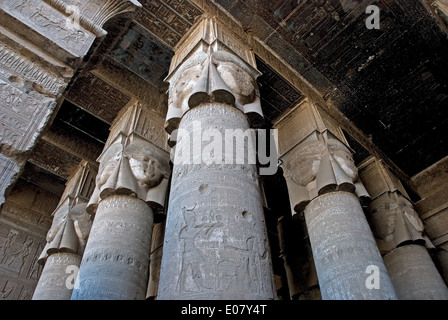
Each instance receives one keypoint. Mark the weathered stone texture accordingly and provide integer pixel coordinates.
(42, 44)
(24, 221)
(130, 189)
(442, 259)
(158, 236)
(66, 239)
(216, 243)
(395, 222)
(56, 281)
(401, 235)
(343, 248)
(414, 275)
(116, 260)
(9, 171)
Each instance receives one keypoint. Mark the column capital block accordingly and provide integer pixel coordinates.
(212, 65)
(315, 156)
(134, 161)
(378, 178)
(71, 222)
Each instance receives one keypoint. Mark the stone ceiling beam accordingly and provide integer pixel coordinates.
(292, 76)
(73, 145)
(131, 85)
(53, 159)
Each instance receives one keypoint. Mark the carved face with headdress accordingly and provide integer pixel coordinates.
(394, 221)
(237, 76)
(343, 156)
(184, 83)
(305, 161)
(145, 164)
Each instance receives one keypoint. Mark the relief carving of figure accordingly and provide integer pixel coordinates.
(193, 259)
(17, 259)
(6, 292)
(6, 246)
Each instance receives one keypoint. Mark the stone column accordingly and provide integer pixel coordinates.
(42, 46)
(400, 235)
(128, 198)
(155, 259)
(296, 253)
(67, 237)
(294, 285)
(216, 244)
(442, 258)
(323, 184)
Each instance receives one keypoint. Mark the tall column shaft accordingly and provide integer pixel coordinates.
(117, 268)
(295, 250)
(216, 242)
(128, 197)
(343, 248)
(442, 257)
(66, 238)
(155, 259)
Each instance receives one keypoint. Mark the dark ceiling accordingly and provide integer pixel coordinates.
(277, 95)
(391, 82)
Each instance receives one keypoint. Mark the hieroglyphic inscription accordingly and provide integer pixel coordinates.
(215, 241)
(13, 64)
(52, 23)
(98, 97)
(22, 116)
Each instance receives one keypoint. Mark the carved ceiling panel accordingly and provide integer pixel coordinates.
(97, 97)
(143, 54)
(277, 95)
(169, 20)
(53, 159)
(390, 82)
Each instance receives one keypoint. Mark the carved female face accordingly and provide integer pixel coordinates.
(306, 162)
(238, 81)
(184, 85)
(384, 218)
(344, 157)
(146, 169)
(411, 215)
(52, 232)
